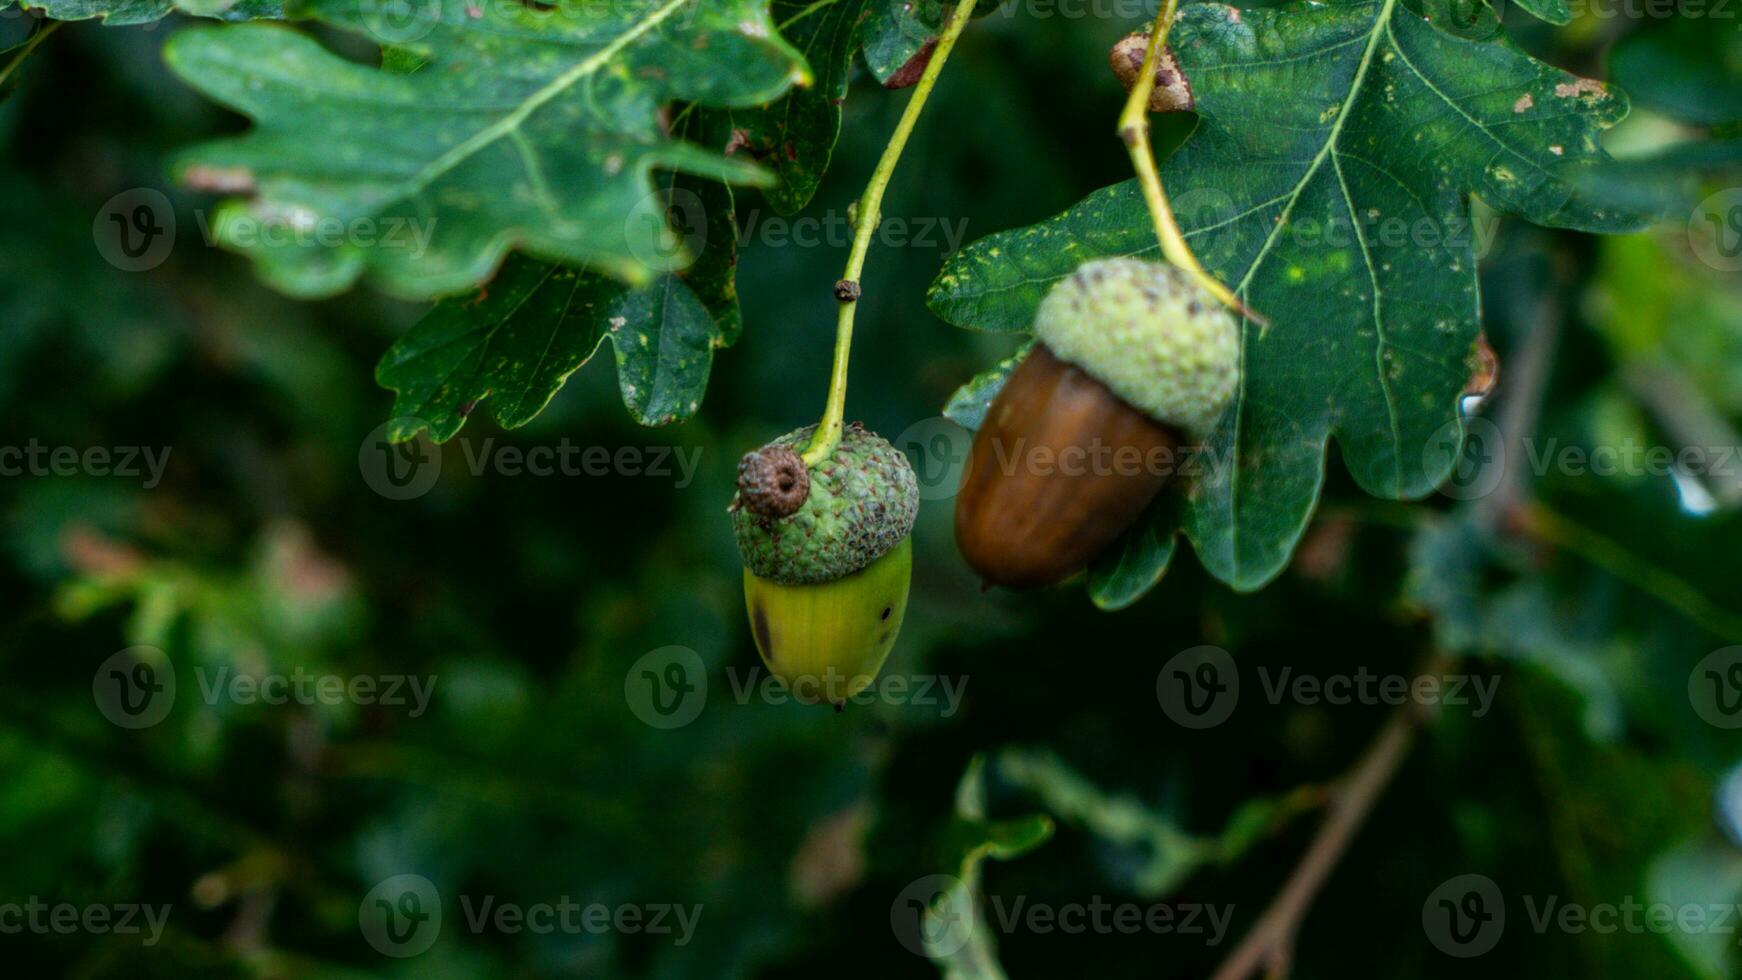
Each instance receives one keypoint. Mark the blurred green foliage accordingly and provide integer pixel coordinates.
(526, 602)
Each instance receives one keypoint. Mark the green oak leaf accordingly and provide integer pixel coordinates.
(528, 128)
(536, 324)
(530, 299)
(795, 135)
(713, 276)
(900, 34)
(1619, 595)
(1156, 854)
(967, 407)
(123, 13)
(1556, 12)
(1329, 182)
(953, 928)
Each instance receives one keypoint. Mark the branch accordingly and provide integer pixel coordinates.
(1522, 387)
(1270, 943)
(1134, 131)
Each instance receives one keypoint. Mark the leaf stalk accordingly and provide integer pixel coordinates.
(37, 36)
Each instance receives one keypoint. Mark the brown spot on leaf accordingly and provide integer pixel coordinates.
(1588, 87)
(908, 75)
(1172, 92)
(1484, 368)
(219, 180)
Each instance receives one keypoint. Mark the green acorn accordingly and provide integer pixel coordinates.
(1134, 360)
(827, 558)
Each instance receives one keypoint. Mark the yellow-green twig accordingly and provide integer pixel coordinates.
(867, 216)
(1134, 130)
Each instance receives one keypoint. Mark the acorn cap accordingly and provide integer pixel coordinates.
(1152, 334)
(861, 503)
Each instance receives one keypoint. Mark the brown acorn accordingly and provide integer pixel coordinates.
(1134, 360)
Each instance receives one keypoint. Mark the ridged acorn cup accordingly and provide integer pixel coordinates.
(1134, 360)
(827, 559)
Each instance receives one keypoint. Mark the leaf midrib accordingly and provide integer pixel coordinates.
(550, 90)
(1380, 22)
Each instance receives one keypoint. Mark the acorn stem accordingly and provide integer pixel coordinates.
(1134, 131)
(869, 215)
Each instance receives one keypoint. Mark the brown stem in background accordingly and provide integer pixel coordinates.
(1270, 943)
